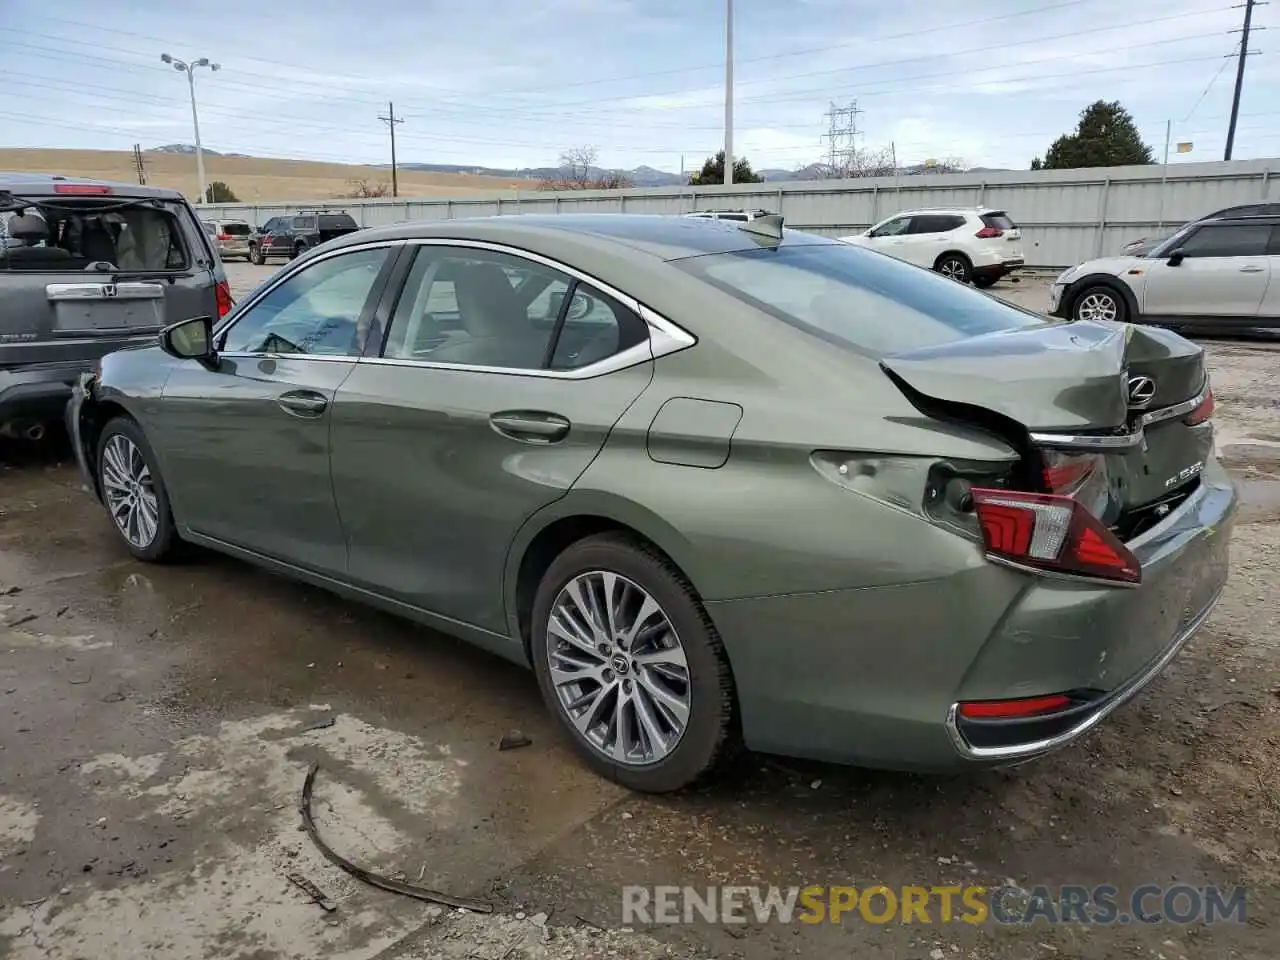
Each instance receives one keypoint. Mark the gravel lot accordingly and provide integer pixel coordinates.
(157, 724)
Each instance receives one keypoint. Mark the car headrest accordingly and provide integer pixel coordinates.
(28, 227)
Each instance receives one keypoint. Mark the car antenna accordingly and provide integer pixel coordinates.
(768, 225)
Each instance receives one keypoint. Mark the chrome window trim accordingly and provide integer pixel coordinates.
(665, 337)
(1122, 441)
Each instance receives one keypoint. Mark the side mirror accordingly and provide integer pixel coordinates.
(1177, 257)
(190, 339)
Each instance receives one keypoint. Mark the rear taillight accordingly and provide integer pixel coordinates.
(1013, 709)
(989, 233)
(222, 292)
(1053, 533)
(1201, 413)
(82, 189)
(224, 236)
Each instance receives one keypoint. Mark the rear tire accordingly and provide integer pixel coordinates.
(134, 492)
(984, 283)
(1099, 303)
(663, 706)
(956, 266)
(256, 256)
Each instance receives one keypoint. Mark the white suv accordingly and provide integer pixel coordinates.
(976, 246)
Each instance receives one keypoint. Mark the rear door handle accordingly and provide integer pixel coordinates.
(302, 403)
(531, 426)
(1252, 269)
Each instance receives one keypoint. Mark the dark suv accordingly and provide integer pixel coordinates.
(292, 235)
(86, 268)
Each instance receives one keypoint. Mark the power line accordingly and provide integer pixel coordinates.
(524, 108)
(860, 42)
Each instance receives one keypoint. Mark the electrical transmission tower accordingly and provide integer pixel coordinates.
(842, 137)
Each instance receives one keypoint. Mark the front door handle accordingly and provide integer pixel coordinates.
(302, 403)
(1252, 269)
(530, 426)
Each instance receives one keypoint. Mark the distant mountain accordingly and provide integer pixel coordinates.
(189, 148)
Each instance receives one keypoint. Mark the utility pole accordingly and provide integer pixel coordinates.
(391, 120)
(1235, 100)
(728, 93)
(139, 165)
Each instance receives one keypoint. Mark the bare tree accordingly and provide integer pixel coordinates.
(361, 188)
(877, 162)
(578, 171)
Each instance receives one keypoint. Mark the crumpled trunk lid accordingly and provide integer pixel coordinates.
(1059, 377)
(1040, 387)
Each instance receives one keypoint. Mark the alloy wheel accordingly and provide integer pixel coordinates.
(954, 268)
(129, 491)
(1097, 306)
(618, 668)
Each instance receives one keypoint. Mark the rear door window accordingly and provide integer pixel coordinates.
(855, 298)
(1227, 240)
(935, 223)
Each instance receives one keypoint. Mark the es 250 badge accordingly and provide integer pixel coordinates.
(1183, 475)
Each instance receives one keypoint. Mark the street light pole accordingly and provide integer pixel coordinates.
(728, 93)
(190, 70)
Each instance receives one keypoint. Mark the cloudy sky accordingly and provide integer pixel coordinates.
(513, 83)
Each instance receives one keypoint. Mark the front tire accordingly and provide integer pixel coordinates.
(1099, 303)
(298, 250)
(984, 283)
(134, 493)
(630, 664)
(955, 266)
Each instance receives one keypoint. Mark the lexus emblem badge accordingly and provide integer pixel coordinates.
(1142, 390)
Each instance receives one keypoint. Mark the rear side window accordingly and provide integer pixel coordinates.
(337, 221)
(935, 223)
(855, 298)
(70, 235)
(999, 220)
(1234, 240)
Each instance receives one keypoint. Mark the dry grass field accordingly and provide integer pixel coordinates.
(250, 178)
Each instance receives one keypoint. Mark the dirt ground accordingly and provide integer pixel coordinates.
(156, 725)
(252, 179)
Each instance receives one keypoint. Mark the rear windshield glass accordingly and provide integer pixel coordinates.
(857, 298)
(337, 221)
(999, 220)
(236, 229)
(66, 235)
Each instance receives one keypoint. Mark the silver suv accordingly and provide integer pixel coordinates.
(88, 267)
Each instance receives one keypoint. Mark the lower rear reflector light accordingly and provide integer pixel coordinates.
(1052, 533)
(1013, 709)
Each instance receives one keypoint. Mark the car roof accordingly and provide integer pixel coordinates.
(662, 237)
(42, 184)
(937, 210)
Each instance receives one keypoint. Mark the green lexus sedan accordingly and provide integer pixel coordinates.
(717, 483)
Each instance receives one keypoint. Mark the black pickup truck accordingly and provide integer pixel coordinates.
(290, 236)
